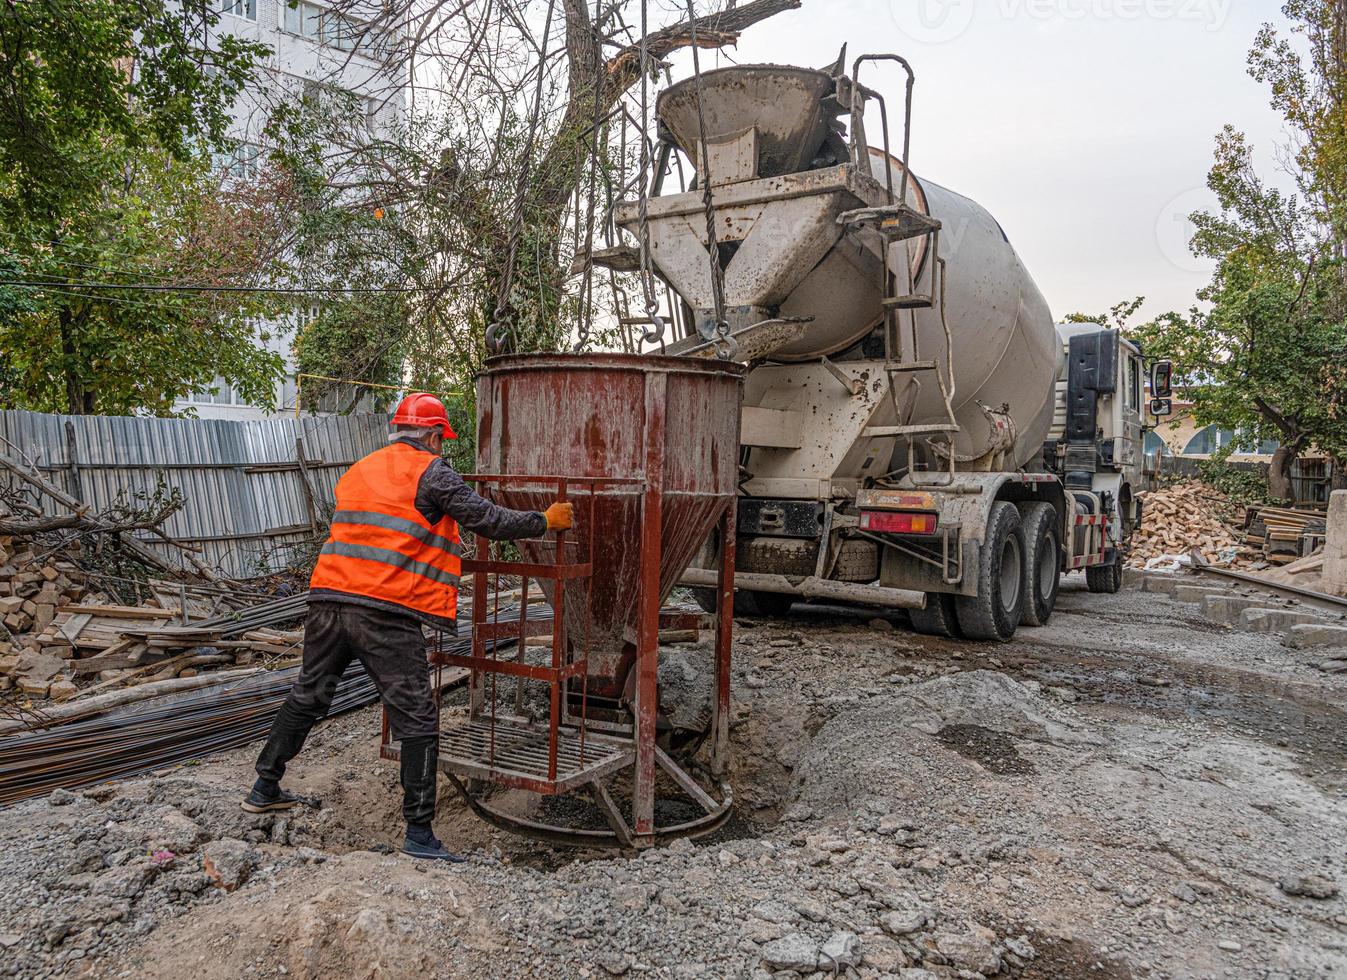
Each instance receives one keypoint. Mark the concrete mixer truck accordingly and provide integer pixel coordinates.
(915, 431)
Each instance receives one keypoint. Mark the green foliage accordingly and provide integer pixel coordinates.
(1117, 317)
(80, 350)
(360, 339)
(1266, 359)
(1242, 485)
(80, 72)
(426, 206)
(107, 119)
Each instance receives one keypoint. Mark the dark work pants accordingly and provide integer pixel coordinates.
(393, 650)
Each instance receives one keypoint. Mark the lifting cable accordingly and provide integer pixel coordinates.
(498, 334)
(726, 348)
(654, 333)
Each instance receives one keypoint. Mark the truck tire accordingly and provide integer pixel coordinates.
(938, 618)
(1105, 579)
(994, 613)
(1043, 561)
(765, 605)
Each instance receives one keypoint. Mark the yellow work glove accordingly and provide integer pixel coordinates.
(560, 517)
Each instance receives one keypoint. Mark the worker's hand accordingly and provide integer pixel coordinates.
(560, 517)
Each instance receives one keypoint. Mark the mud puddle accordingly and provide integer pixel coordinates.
(1285, 714)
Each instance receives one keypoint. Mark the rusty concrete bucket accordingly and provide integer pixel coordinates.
(646, 448)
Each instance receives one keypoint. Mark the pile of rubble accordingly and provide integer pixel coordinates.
(86, 605)
(32, 594)
(1179, 519)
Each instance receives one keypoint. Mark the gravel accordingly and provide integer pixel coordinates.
(1140, 836)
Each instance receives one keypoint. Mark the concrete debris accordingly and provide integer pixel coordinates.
(794, 951)
(1305, 635)
(228, 863)
(974, 950)
(1309, 886)
(841, 951)
(967, 822)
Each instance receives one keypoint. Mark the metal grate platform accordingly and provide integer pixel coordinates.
(516, 754)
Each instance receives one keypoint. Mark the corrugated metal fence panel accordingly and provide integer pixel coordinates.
(246, 523)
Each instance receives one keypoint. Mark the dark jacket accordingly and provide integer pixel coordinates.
(442, 492)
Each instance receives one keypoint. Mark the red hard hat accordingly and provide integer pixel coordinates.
(424, 410)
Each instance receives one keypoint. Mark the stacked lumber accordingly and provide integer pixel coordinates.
(1284, 535)
(64, 621)
(1177, 519)
(1304, 573)
(62, 638)
(110, 645)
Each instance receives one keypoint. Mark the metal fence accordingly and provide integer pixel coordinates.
(253, 491)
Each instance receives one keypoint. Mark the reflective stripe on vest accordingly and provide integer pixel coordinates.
(395, 558)
(409, 528)
(381, 547)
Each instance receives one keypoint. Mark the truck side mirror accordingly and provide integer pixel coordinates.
(1161, 407)
(1162, 382)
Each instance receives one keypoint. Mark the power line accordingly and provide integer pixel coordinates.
(200, 288)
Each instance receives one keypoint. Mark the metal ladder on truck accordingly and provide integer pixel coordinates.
(898, 221)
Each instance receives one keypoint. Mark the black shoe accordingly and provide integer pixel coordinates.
(431, 851)
(259, 802)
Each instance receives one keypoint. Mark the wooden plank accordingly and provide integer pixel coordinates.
(149, 613)
(71, 628)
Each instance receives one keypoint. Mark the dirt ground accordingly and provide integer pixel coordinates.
(1131, 791)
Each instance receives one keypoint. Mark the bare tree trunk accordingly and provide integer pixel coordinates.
(1279, 483)
(1339, 478)
(74, 391)
(588, 66)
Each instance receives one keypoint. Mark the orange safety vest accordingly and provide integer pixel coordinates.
(383, 548)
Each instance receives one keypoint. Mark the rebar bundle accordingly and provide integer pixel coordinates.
(169, 730)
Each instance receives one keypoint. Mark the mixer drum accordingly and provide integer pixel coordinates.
(786, 255)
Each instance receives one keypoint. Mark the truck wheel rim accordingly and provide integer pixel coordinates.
(1010, 574)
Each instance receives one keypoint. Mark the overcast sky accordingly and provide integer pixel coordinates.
(1085, 126)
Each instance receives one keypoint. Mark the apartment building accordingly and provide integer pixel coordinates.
(314, 48)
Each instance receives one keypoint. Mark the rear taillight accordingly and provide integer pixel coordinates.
(898, 522)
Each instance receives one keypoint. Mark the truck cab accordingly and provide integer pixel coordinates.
(1096, 440)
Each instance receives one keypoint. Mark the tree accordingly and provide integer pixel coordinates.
(78, 74)
(1118, 318)
(108, 118)
(75, 348)
(510, 164)
(1265, 359)
(1254, 362)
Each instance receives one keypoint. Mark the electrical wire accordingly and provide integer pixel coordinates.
(202, 288)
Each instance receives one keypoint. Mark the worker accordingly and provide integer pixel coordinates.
(390, 565)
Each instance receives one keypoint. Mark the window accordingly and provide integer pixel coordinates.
(242, 163)
(239, 8)
(1155, 446)
(332, 97)
(1211, 439)
(1134, 384)
(305, 315)
(1208, 441)
(333, 29)
(219, 392)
